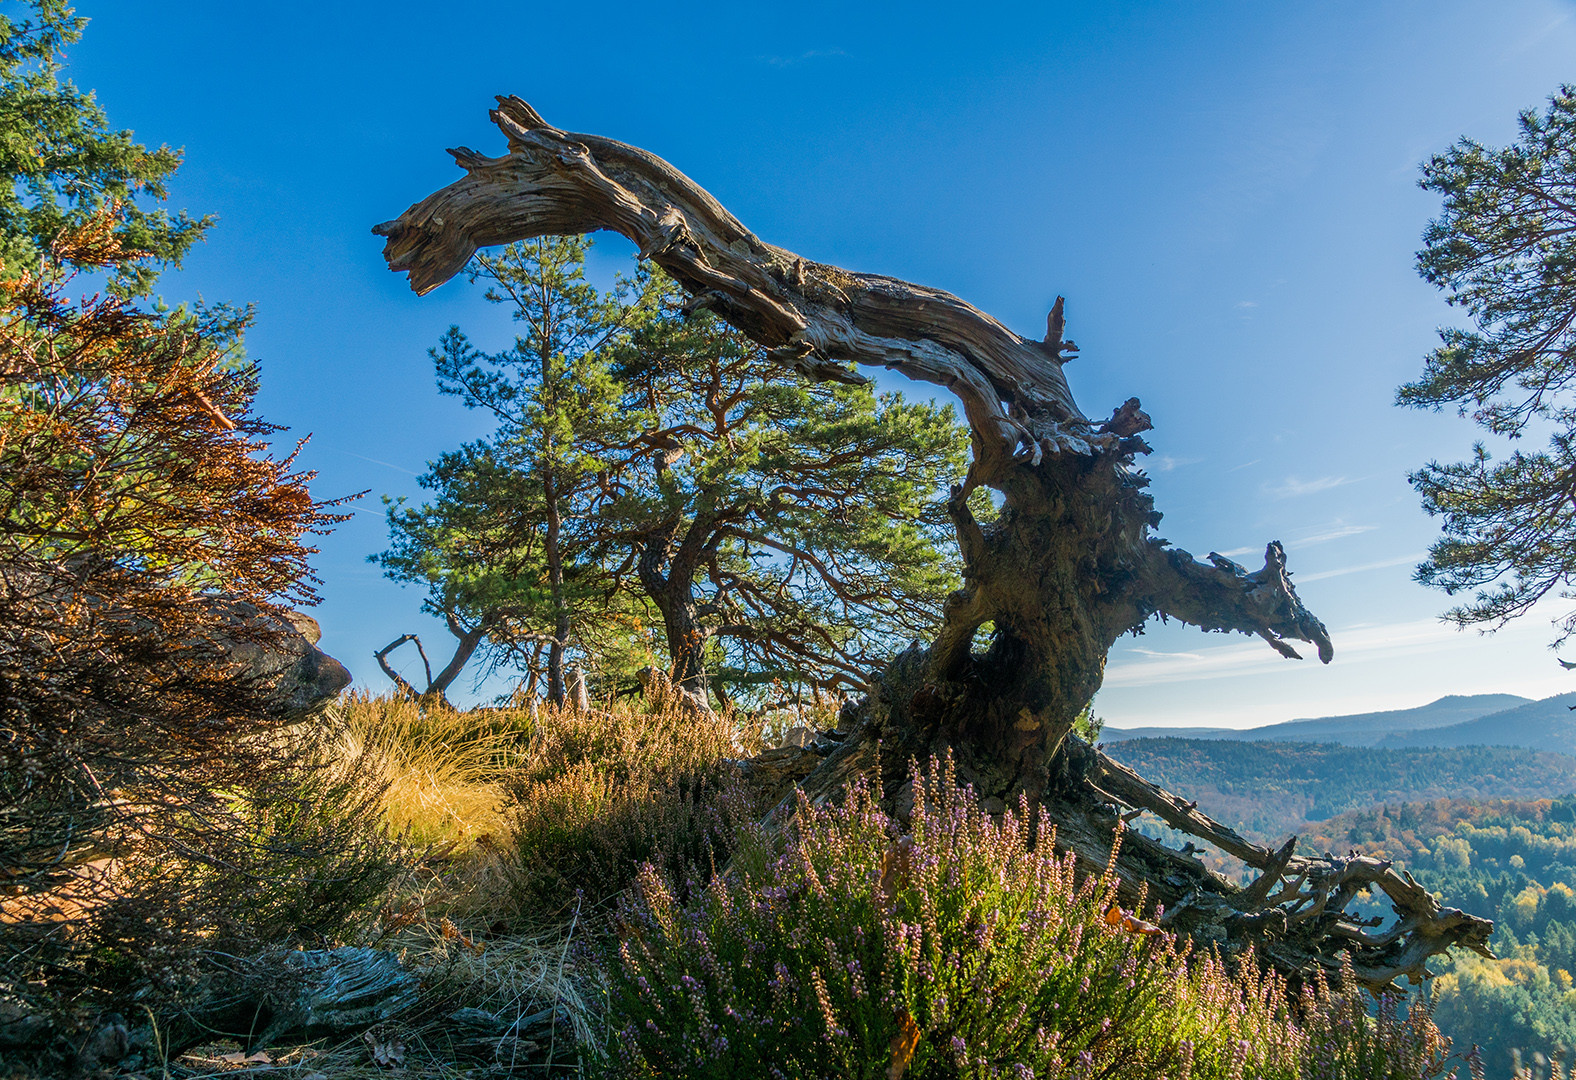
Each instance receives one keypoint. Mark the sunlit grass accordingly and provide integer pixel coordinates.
(445, 768)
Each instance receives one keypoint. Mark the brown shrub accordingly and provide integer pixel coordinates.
(602, 793)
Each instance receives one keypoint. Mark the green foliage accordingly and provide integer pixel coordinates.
(1515, 863)
(1087, 726)
(957, 950)
(655, 480)
(1504, 249)
(63, 163)
(793, 532)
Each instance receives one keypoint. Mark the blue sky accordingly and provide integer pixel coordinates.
(1225, 193)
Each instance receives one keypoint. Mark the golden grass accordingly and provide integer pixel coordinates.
(444, 768)
(533, 823)
(521, 812)
(602, 793)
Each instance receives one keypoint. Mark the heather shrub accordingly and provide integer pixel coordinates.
(957, 950)
(598, 794)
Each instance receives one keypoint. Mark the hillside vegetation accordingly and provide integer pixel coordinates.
(1273, 789)
(574, 869)
(1510, 860)
(566, 916)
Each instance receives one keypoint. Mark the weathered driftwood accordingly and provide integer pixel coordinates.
(291, 997)
(1068, 566)
(284, 997)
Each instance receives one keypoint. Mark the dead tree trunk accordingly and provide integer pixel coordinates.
(1069, 565)
(436, 693)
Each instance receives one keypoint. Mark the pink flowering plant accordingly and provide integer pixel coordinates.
(958, 948)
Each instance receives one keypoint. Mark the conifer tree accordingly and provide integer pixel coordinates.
(63, 163)
(787, 532)
(651, 467)
(1504, 250)
(507, 548)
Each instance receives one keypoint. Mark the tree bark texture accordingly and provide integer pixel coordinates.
(557, 688)
(1068, 566)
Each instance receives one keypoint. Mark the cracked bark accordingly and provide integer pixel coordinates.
(1069, 565)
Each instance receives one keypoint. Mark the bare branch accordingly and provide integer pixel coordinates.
(395, 677)
(1224, 596)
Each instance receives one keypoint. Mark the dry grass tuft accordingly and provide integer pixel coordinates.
(445, 769)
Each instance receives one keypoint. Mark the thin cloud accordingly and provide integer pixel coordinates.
(1173, 655)
(1244, 465)
(1533, 40)
(1339, 532)
(1385, 564)
(373, 460)
(804, 57)
(1166, 463)
(1247, 303)
(1294, 487)
(1352, 645)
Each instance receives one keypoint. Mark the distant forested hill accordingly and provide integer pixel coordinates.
(1272, 789)
(1357, 729)
(1538, 725)
(1513, 862)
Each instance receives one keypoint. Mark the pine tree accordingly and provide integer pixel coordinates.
(1504, 249)
(655, 468)
(789, 533)
(507, 548)
(63, 164)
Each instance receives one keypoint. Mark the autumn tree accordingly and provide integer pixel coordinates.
(1068, 565)
(1504, 250)
(151, 548)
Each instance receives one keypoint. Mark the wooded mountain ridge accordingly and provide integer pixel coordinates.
(1269, 790)
(1452, 721)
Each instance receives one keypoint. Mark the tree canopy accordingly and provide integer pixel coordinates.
(653, 481)
(63, 163)
(1504, 250)
(788, 532)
